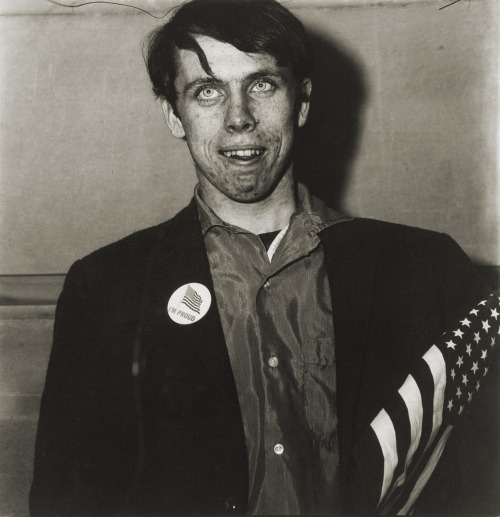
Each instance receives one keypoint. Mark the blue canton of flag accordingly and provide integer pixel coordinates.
(467, 352)
(404, 443)
(192, 299)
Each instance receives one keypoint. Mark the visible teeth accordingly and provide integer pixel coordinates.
(243, 152)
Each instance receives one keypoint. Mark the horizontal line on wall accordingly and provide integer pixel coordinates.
(161, 7)
(19, 394)
(30, 289)
(17, 418)
(27, 312)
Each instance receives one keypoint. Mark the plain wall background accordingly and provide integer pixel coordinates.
(86, 158)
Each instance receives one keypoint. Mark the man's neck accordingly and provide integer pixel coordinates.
(270, 214)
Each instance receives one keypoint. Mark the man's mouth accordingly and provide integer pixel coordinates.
(243, 154)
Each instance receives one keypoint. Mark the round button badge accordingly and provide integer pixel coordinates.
(189, 303)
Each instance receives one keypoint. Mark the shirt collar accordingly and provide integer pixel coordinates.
(208, 218)
(311, 212)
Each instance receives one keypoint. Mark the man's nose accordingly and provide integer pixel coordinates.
(239, 115)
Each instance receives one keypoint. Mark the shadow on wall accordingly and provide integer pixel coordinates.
(329, 141)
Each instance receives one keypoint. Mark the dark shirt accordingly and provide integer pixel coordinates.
(276, 314)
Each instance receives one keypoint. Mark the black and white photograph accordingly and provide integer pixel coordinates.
(249, 257)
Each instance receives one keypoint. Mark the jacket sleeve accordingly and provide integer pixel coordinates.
(473, 446)
(437, 285)
(59, 457)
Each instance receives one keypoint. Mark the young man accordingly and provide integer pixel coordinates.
(232, 359)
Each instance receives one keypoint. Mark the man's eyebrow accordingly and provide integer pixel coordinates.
(201, 81)
(265, 72)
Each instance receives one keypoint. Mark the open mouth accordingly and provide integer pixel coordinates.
(244, 155)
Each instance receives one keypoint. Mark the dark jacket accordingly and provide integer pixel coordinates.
(170, 439)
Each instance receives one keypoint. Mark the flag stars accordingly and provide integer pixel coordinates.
(492, 344)
(460, 361)
(465, 322)
(478, 385)
(469, 397)
(453, 374)
(484, 353)
(494, 313)
(469, 350)
(475, 367)
(450, 404)
(458, 333)
(485, 370)
(464, 379)
(476, 337)
(450, 344)
(486, 325)
(459, 392)
(474, 311)
(461, 410)
(482, 303)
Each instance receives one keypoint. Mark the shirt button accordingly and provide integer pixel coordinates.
(273, 361)
(229, 505)
(278, 448)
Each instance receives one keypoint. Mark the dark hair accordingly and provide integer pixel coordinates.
(253, 26)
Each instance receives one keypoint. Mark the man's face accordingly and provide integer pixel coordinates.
(239, 123)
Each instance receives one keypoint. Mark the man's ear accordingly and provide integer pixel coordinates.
(306, 89)
(173, 121)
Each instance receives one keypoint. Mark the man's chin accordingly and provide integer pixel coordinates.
(246, 200)
(249, 195)
(252, 191)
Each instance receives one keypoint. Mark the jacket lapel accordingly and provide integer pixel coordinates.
(193, 377)
(351, 269)
(180, 259)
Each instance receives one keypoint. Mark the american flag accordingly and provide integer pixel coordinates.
(192, 299)
(404, 442)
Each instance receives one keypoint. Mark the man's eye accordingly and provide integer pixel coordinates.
(262, 86)
(208, 93)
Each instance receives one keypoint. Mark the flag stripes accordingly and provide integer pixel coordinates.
(406, 424)
(415, 414)
(402, 429)
(414, 425)
(192, 299)
(424, 380)
(421, 470)
(426, 416)
(425, 473)
(434, 358)
(386, 434)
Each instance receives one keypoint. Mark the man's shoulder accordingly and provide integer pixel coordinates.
(131, 251)
(135, 241)
(379, 236)
(404, 262)
(365, 225)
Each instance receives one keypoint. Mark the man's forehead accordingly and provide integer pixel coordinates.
(225, 61)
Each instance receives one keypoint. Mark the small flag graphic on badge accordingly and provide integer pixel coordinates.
(192, 299)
